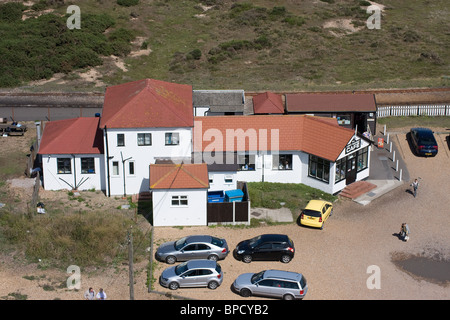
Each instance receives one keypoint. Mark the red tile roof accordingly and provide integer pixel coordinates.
(72, 136)
(179, 176)
(322, 137)
(268, 102)
(330, 102)
(148, 103)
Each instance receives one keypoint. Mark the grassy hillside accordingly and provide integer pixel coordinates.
(277, 45)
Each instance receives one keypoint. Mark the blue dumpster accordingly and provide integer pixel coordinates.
(216, 196)
(234, 195)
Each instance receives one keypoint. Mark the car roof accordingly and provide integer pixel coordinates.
(422, 130)
(201, 263)
(285, 275)
(198, 238)
(274, 237)
(315, 205)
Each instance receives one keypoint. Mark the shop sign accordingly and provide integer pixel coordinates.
(353, 145)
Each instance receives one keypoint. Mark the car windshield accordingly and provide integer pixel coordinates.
(303, 282)
(181, 268)
(427, 139)
(312, 213)
(218, 268)
(180, 243)
(257, 276)
(254, 241)
(217, 242)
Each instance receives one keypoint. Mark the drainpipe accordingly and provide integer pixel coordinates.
(74, 173)
(107, 163)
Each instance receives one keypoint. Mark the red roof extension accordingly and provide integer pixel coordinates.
(268, 102)
(179, 176)
(319, 136)
(330, 102)
(148, 103)
(72, 136)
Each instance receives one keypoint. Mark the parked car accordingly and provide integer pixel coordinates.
(193, 247)
(271, 283)
(423, 142)
(265, 247)
(192, 273)
(316, 213)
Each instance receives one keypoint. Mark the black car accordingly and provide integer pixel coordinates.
(423, 142)
(265, 247)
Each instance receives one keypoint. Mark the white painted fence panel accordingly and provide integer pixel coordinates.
(413, 110)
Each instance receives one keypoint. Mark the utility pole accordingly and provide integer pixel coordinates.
(130, 262)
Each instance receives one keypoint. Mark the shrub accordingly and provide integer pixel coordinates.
(127, 3)
(11, 11)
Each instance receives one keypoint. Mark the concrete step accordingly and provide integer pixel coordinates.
(357, 189)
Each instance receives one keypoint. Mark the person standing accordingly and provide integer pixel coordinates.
(101, 295)
(89, 294)
(415, 186)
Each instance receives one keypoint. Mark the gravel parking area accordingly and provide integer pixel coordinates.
(335, 260)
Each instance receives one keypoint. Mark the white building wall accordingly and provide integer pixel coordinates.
(194, 214)
(218, 180)
(142, 156)
(64, 181)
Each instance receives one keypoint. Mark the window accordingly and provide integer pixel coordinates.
(64, 165)
(344, 119)
(282, 162)
(144, 139)
(131, 168)
(115, 166)
(362, 159)
(211, 179)
(87, 165)
(319, 168)
(172, 138)
(120, 140)
(179, 201)
(228, 179)
(246, 162)
(341, 166)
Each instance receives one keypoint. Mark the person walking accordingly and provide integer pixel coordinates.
(415, 186)
(89, 294)
(404, 232)
(101, 295)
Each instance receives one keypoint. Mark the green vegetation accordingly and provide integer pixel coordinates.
(83, 239)
(295, 196)
(228, 44)
(36, 48)
(414, 121)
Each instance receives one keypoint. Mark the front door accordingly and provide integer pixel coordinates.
(351, 169)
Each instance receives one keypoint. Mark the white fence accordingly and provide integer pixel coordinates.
(413, 110)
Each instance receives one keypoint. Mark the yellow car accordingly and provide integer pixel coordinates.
(316, 213)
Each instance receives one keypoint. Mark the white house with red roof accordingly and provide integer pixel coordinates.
(149, 121)
(72, 155)
(179, 194)
(141, 121)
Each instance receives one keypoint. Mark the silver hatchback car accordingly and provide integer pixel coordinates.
(192, 273)
(272, 283)
(193, 247)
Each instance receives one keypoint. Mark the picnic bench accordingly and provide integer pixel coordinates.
(12, 129)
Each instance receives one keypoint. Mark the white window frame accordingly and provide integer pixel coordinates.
(179, 199)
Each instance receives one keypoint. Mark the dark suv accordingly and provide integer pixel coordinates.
(265, 247)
